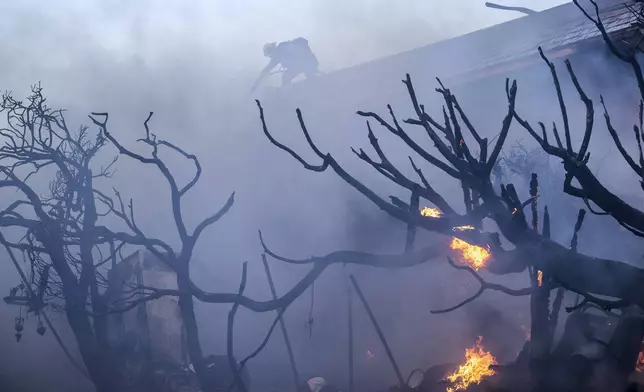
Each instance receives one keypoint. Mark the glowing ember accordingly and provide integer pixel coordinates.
(476, 367)
(431, 212)
(473, 255)
(463, 228)
(539, 277)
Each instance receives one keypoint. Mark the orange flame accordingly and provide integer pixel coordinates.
(431, 212)
(463, 228)
(476, 367)
(474, 255)
(539, 277)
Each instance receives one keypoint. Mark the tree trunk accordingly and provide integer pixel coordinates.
(186, 305)
(97, 361)
(540, 334)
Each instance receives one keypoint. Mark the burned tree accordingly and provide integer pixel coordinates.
(467, 157)
(178, 259)
(58, 223)
(57, 232)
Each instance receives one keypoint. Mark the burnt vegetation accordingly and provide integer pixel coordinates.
(462, 154)
(66, 233)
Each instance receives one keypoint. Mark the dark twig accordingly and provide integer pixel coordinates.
(578, 223)
(562, 104)
(484, 286)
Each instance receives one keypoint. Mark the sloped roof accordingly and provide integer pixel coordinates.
(552, 33)
(508, 42)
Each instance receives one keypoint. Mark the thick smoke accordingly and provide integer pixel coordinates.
(193, 63)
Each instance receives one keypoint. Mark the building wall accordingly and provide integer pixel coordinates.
(157, 323)
(163, 315)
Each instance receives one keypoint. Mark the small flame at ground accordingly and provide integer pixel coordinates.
(476, 367)
(431, 212)
(463, 228)
(474, 255)
(539, 277)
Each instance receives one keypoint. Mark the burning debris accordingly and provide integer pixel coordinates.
(539, 277)
(431, 212)
(477, 366)
(473, 255)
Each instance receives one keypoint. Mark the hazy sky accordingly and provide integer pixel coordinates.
(57, 35)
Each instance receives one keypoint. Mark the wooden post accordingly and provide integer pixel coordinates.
(287, 341)
(394, 364)
(350, 325)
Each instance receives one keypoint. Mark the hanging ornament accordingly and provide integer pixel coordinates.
(19, 326)
(41, 328)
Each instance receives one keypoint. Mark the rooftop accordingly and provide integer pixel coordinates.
(554, 30)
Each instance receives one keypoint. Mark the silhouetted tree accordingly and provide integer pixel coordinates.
(467, 157)
(58, 228)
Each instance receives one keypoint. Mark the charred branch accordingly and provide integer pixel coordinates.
(586, 274)
(484, 285)
(575, 163)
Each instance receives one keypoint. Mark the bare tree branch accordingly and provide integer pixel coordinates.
(484, 286)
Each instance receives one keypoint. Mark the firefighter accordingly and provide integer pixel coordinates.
(295, 58)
